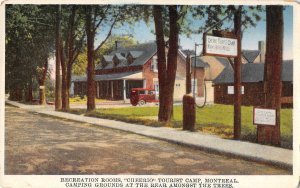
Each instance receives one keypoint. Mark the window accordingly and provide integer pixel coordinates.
(156, 87)
(194, 86)
(154, 64)
(130, 59)
(230, 90)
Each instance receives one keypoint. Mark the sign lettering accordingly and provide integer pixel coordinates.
(264, 116)
(220, 46)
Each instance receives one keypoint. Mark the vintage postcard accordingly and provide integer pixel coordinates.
(156, 94)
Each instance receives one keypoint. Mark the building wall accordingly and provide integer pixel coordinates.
(200, 81)
(209, 92)
(148, 74)
(179, 90)
(80, 88)
(253, 93)
(181, 67)
(214, 69)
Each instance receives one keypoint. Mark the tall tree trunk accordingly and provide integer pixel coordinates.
(69, 72)
(15, 93)
(273, 66)
(57, 63)
(237, 76)
(90, 25)
(67, 60)
(172, 60)
(166, 74)
(42, 80)
(63, 78)
(29, 97)
(161, 59)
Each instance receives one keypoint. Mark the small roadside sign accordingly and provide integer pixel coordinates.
(220, 46)
(264, 116)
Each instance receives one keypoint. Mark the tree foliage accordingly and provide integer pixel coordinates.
(28, 42)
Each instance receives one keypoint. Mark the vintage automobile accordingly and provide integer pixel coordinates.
(141, 96)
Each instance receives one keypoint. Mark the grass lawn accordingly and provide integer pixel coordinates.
(82, 100)
(214, 119)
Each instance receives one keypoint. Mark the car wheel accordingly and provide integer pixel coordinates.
(142, 102)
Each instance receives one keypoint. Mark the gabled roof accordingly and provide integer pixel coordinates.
(186, 51)
(142, 52)
(108, 66)
(224, 61)
(113, 76)
(199, 63)
(254, 72)
(135, 54)
(122, 63)
(119, 56)
(108, 58)
(287, 71)
(250, 55)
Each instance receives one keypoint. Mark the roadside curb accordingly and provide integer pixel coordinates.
(276, 156)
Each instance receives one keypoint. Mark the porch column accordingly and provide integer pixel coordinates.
(97, 85)
(112, 89)
(124, 90)
(144, 83)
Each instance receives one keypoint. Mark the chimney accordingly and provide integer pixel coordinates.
(262, 49)
(116, 43)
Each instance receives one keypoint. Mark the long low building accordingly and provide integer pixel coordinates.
(126, 68)
(252, 76)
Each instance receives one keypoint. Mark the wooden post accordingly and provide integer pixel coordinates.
(189, 111)
(188, 74)
(124, 90)
(237, 76)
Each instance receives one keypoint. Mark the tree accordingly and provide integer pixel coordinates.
(28, 41)
(273, 66)
(70, 46)
(57, 59)
(101, 17)
(167, 69)
(42, 73)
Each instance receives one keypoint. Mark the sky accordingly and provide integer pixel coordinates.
(142, 33)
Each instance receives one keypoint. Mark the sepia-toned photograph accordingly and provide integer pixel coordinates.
(149, 95)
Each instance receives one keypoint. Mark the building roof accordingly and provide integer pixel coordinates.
(186, 51)
(199, 62)
(108, 58)
(120, 76)
(114, 76)
(224, 61)
(254, 72)
(135, 54)
(79, 78)
(120, 56)
(141, 52)
(250, 55)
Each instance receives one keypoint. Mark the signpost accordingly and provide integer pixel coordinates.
(220, 46)
(264, 116)
(228, 44)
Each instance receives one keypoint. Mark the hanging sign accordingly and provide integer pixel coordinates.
(219, 46)
(264, 116)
